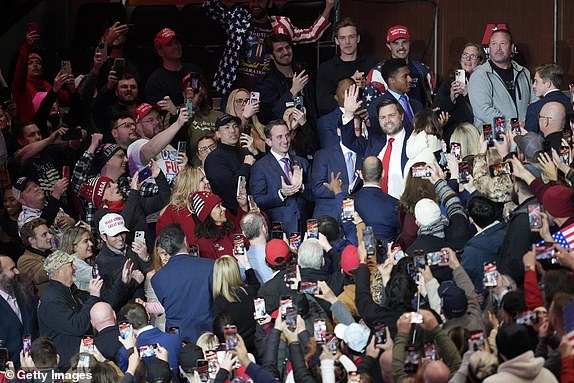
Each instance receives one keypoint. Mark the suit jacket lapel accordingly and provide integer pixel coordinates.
(4, 306)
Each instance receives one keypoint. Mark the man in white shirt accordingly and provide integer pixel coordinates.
(255, 229)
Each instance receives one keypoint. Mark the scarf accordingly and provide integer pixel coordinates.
(115, 206)
(436, 230)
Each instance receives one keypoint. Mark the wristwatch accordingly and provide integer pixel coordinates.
(528, 267)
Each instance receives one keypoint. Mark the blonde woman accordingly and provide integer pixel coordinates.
(188, 181)
(238, 105)
(468, 138)
(78, 240)
(231, 297)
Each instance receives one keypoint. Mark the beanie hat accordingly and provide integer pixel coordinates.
(349, 259)
(277, 252)
(557, 201)
(454, 302)
(93, 190)
(427, 212)
(104, 153)
(203, 203)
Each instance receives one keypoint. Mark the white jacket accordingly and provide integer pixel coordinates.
(524, 368)
(421, 148)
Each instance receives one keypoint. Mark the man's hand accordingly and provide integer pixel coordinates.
(250, 110)
(241, 352)
(133, 361)
(443, 118)
(518, 170)
(359, 78)
(112, 80)
(544, 231)
(127, 271)
(167, 104)
(26, 360)
(299, 81)
(59, 81)
(249, 159)
(362, 251)
(288, 190)
(335, 185)
(140, 249)
(97, 62)
(137, 276)
(565, 257)
(247, 143)
(436, 173)
(429, 320)
(95, 142)
(351, 104)
(228, 362)
(32, 37)
(60, 188)
(64, 221)
(548, 166)
(326, 293)
(453, 261)
(324, 242)
(115, 31)
(565, 168)
(95, 286)
(297, 177)
(183, 117)
(404, 323)
(161, 353)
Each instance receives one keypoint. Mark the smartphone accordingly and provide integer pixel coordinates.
(119, 67)
(241, 185)
(565, 155)
(380, 334)
(312, 228)
(437, 258)
(476, 341)
(527, 318)
(332, 342)
(95, 271)
(238, 245)
(416, 318)
(534, 217)
(259, 305)
(291, 318)
(430, 351)
(308, 288)
(547, 147)
(189, 106)
(194, 250)
(173, 330)
(103, 49)
(181, 147)
(247, 130)
(84, 360)
(499, 128)
(295, 241)
(202, 368)
(285, 303)
(419, 259)
(125, 329)
(230, 335)
(33, 26)
(194, 82)
(66, 172)
(254, 98)
(26, 343)
(412, 360)
(276, 230)
(567, 133)
(546, 251)
(212, 363)
(3, 358)
(251, 202)
(487, 133)
(66, 66)
(298, 101)
(460, 76)
(144, 174)
(515, 125)
(369, 240)
(420, 171)
(490, 275)
(88, 342)
(72, 134)
(290, 274)
(147, 351)
(348, 209)
(500, 169)
(463, 172)
(320, 330)
(140, 236)
(455, 149)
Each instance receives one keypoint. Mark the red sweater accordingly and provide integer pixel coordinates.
(567, 370)
(181, 216)
(219, 246)
(532, 294)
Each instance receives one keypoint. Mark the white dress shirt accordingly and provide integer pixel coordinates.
(395, 171)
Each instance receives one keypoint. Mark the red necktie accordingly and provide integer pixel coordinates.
(386, 161)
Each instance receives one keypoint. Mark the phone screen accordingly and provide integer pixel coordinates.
(534, 217)
(230, 334)
(499, 128)
(202, 367)
(320, 330)
(490, 275)
(463, 172)
(259, 305)
(455, 150)
(241, 186)
(487, 133)
(295, 241)
(144, 174)
(125, 329)
(412, 360)
(238, 245)
(348, 209)
(369, 240)
(312, 228)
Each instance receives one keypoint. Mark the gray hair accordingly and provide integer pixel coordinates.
(171, 239)
(251, 225)
(310, 254)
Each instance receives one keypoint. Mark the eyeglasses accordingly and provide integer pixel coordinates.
(207, 149)
(127, 124)
(548, 118)
(241, 101)
(467, 56)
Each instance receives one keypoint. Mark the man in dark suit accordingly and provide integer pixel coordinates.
(398, 77)
(377, 208)
(327, 124)
(183, 285)
(103, 320)
(17, 310)
(389, 147)
(279, 181)
(546, 85)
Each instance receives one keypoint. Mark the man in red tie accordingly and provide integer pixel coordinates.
(389, 146)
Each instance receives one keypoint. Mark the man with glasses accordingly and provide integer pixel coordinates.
(500, 87)
(123, 130)
(551, 121)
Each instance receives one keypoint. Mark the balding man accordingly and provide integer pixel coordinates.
(377, 208)
(551, 121)
(103, 320)
(436, 372)
(327, 124)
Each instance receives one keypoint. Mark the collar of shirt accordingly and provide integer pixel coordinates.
(278, 156)
(346, 150)
(478, 230)
(396, 95)
(550, 91)
(371, 186)
(6, 296)
(145, 328)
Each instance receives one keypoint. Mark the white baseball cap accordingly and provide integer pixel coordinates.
(112, 224)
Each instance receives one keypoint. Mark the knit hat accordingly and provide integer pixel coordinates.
(203, 202)
(398, 32)
(349, 259)
(56, 260)
(356, 335)
(93, 190)
(104, 153)
(454, 302)
(143, 110)
(163, 37)
(557, 201)
(19, 186)
(277, 252)
(427, 212)
(531, 145)
(112, 224)
(512, 340)
(188, 356)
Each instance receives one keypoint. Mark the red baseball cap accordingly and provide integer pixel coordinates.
(398, 32)
(163, 37)
(277, 252)
(349, 259)
(143, 110)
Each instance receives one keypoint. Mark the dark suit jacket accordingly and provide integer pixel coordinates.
(534, 109)
(265, 182)
(107, 342)
(183, 287)
(379, 210)
(416, 106)
(171, 342)
(327, 129)
(329, 161)
(12, 330)
(372, 146)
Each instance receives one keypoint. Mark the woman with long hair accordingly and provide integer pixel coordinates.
(230, 296)
(77, 240)
(239, 105)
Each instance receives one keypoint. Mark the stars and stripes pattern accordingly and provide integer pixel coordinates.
(568, 315)
(565, 237)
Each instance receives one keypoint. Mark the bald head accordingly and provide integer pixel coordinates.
(342, 86)
(102, 315)
(552, 118)
(436, 372)
(372, 170)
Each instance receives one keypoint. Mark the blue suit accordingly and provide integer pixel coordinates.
(12, 330)
(265, 183)
(379, 210)
(184, 288)
(171, 342)
(329, 161)
(327, 129)
(534, 109)
(415, 104)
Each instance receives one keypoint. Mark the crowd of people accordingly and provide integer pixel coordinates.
(353, 224)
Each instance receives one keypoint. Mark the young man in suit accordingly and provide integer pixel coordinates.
(390, 147)
(279, 181)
